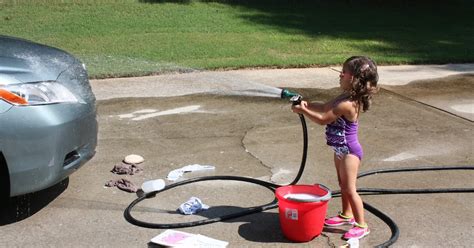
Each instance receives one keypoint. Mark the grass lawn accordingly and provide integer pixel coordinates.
(142, 37)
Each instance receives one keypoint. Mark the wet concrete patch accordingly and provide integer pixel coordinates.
(454, 94)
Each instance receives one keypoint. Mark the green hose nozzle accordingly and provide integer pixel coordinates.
(295, 98)
(287, 94)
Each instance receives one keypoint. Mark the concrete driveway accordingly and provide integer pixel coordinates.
(422, 116)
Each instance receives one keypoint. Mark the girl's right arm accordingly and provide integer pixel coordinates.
(324, 107)
(321, 117)
(321, 113)
(317, 106)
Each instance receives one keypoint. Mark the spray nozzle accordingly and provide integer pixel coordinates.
(295, 98)
(287, 94)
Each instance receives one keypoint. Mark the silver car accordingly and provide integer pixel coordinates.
(48, 125)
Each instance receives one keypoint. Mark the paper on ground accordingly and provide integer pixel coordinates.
(174, 238)
(176, 174)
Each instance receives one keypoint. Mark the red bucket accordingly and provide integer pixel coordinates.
(302, 210)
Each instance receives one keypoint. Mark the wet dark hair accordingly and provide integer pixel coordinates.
(364, 83)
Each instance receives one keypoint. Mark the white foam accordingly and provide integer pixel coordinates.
(126, 116)
(464, 108)
(400, 157)
(145, 111)
(187, 109)
(302, 197)
(142, 111)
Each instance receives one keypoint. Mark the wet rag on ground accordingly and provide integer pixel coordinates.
(122, 184)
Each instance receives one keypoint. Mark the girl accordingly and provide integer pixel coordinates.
(358, 80)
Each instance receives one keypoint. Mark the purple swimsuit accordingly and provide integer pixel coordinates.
(342, 136)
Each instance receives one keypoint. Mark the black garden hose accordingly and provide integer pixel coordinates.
(271, 186)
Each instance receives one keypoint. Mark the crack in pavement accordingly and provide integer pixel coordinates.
(253, 155)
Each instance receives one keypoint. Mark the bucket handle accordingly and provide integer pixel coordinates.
(327, 196)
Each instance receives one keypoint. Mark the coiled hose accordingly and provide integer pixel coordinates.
(274, 204)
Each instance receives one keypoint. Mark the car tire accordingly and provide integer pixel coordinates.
(4, 179)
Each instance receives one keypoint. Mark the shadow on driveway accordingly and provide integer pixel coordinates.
(18, 208)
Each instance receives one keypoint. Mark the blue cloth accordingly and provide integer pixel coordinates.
(192, 206)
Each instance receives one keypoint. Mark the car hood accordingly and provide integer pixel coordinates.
(23, 61)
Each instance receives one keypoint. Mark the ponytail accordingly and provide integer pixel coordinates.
(364, 83)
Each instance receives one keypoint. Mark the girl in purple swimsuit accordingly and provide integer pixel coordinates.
(358, 80)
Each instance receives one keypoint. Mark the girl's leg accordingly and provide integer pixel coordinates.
(347, 172)
(346, 207)
(345, 216)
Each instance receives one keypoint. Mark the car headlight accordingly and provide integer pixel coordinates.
(36, 93)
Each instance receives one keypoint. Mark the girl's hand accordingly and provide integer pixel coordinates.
(301, 108)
